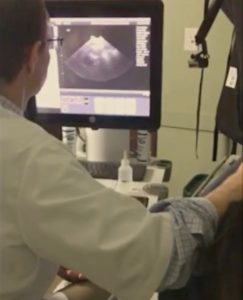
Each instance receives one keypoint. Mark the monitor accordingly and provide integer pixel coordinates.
(108, 71)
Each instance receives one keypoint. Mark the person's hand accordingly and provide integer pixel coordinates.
(71, 276)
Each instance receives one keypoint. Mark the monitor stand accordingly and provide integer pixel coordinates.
(106, 144)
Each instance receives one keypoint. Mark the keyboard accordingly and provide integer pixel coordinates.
(109, 170)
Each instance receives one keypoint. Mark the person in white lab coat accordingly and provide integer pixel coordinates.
(54, 213)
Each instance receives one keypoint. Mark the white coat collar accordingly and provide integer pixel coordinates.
(9, 105)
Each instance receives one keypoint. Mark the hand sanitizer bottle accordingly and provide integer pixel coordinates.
(125, 175)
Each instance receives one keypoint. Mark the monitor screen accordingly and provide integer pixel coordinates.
(106, 73)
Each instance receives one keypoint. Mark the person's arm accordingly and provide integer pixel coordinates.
(194, 225)
(230, 190)
(82, 225)
(78, 223)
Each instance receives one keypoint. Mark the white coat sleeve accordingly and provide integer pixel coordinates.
(66, 217)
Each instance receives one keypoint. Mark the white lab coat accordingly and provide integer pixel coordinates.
(53, 213)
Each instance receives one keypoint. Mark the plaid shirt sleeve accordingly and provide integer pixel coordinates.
(194, 224)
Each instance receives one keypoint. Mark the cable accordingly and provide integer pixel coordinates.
(199, 104)
(83, 139)
(199, 111)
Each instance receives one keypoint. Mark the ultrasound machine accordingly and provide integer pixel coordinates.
(105, 73)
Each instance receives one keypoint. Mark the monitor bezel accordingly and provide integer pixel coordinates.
(113, 8)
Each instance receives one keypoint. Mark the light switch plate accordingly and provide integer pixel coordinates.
(189, 39)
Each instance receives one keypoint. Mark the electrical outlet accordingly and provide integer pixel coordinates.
(189, 40)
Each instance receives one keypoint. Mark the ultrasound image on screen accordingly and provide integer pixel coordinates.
(98, 60)
(100, 57)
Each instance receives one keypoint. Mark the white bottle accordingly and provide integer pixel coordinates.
(125, 175)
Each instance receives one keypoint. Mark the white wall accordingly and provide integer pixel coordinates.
(176, 137)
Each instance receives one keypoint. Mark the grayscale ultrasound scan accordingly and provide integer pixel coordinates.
(98, 60)
(100, 57)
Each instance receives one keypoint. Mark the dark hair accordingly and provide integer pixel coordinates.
(22, 23)
(223, 279)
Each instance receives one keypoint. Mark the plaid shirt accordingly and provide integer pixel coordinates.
(194, 224)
